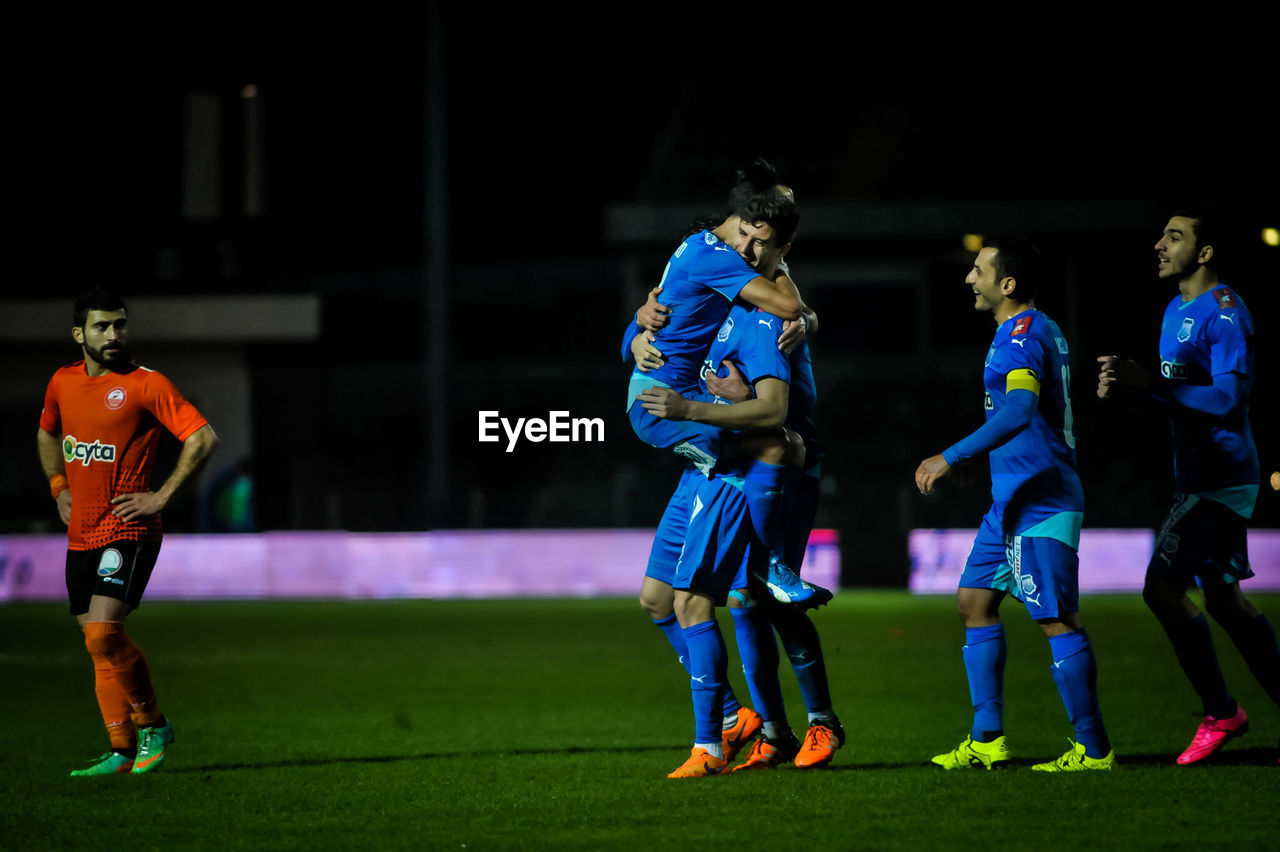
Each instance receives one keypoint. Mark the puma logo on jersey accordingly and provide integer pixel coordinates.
(73, 450)
(766, 323)
(1228, 317)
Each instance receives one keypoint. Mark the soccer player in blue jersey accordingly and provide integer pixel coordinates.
(720, 547)
(797, 631)
(1027, 543)
(706, 273)
(1206, 376)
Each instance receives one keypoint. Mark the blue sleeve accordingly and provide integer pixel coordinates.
(1012, 418)
(1228, 347)
(632, 330)
(758, 354)
(1216, 399)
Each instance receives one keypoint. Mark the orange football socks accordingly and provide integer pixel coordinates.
(122, 681)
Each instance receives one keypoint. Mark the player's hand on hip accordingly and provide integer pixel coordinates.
(139, 504)
(653, 316)
(929, 472)
(664, 403)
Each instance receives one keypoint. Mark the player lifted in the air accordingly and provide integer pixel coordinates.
(707, 272)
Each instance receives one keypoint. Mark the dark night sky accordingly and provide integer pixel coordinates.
(561, 121)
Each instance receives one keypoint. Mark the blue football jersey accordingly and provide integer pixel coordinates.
(1210, 335)
(1034, 480)
(749, 337)
(701, 280)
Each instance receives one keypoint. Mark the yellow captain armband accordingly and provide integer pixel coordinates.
(1023, 379)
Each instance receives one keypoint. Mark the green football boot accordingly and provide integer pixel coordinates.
(151, 747)
(975, 755)
(1075, 760)
(111, 763)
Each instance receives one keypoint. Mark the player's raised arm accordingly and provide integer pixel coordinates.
(778, 296)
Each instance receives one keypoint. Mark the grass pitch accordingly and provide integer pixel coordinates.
(552, 724)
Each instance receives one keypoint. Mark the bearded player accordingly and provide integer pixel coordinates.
(97, 442)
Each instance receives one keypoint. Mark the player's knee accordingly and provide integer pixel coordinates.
(102, 640)
(1160, 597)
(795, 449)
(1228, 606)
(655, 609)
(770, 447)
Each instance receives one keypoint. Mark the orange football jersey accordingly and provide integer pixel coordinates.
(110, 428)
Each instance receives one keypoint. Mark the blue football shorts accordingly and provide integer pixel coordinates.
(697, 442)
(720, 544)
(1201, 541)
(668, 541)
(1042, 572)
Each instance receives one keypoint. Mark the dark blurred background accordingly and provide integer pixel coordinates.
(343, 236)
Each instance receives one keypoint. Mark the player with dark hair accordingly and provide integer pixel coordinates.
(97, 444)
(708, 271)
(1206, 377)
(783, 387)
(1027, 543)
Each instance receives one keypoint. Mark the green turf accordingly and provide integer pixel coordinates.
(552, 723)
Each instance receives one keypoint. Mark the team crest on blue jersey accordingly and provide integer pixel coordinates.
(1021, 326)
(725, 330)
(1184, 332)
(1226, 299)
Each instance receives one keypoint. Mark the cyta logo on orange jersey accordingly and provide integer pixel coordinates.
(73, 450)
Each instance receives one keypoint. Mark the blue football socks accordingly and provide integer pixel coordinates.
(1193, 645)
(764, 486)
(985, 652)
(670, 628)
(1256, 640)
(1075, 671)
(759, 652)
(708, 661)
(804, 649)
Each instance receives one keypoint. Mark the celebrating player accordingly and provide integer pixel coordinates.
(707, 272)
(97, 443)
(754, 340)
(1027, 543)
(1206, 376)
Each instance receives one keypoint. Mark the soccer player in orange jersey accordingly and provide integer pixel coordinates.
(97, 441)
